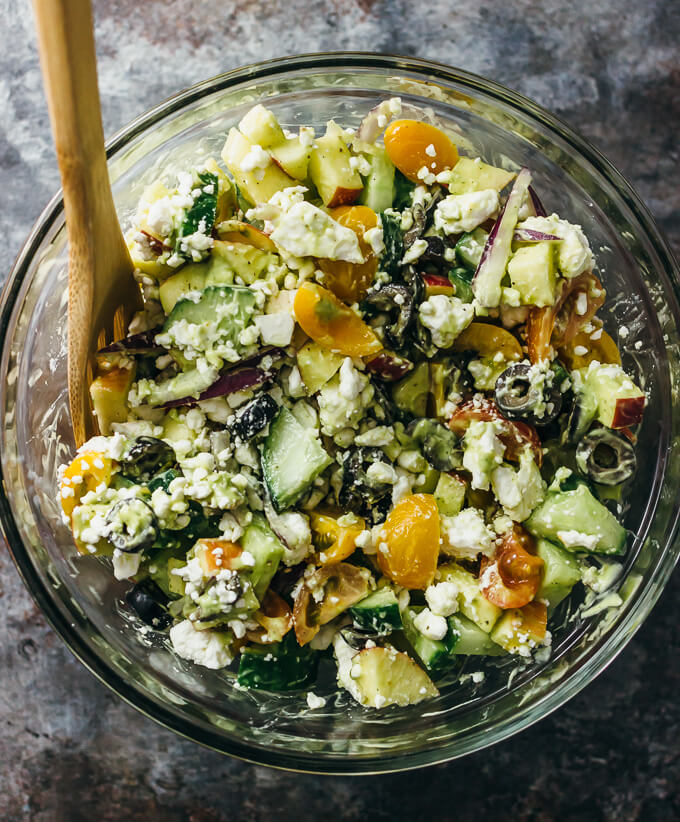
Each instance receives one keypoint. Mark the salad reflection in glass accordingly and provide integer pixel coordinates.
(369, 415)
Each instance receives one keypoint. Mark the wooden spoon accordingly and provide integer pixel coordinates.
(102, 293)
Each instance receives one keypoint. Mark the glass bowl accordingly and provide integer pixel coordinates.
(83, 602)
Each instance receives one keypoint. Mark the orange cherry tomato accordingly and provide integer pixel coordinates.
(333, 324)
(274, 618)
(408, 544)
(557, 325)
(603, 349)
(86, 473)
(334, 542)
(514, 578)
(412, 145)
(514, 435)
(534, 620)
(215, 555)
(351, 281)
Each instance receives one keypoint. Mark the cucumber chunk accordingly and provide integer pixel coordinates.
(378, 192)
(190, 277)
(472, 641)
(410, 394)
(266, 549)
(469, 248)
(560, 572)
(435, 654)
(377, 613)
(472, 603)
(576, 521)
(229, 307)
(292, 458)
(282, 666)
(450, 494)
(384, 676)
(532, 272)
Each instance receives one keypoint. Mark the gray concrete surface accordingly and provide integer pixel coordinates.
(69, 749)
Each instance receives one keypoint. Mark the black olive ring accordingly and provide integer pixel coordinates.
(518, 399)
(606, 457)
(131, 525)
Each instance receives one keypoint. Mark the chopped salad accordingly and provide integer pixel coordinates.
(369, 416)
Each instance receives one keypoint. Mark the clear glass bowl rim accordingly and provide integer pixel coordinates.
(597, 658)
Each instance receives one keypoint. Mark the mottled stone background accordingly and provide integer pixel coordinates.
(70, 750)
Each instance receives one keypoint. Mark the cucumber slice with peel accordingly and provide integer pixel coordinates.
(292, 458)
(377, 613)
(472, 641)
(282, 666)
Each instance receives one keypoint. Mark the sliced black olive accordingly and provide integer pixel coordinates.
(606, 457)
(440, 446)
(434, 253)
(518, 397)
(359, 493)
(131, 525)
(148, 456)
(384, 409)
(398, 303)
(422, 218)
(419, 223)
(149, 602)
(253, 417)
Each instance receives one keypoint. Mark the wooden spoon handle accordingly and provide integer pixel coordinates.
(68, 59)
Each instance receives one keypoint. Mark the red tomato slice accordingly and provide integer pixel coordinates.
(514, 435)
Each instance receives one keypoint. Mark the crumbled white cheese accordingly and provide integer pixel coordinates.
(467, 535)
(375, 238)
(256, 160)
(430, 625)
(519, 492)
(294, 531)
(576, 539)
(305, 230)
(445, 317)
(414, 253)
(482, 452)
(207, 648)
(314, 701)
(382, 472)
(464, 212)
(573, 251)
(344, 655)
(275, 329)
(352, 382)
(125, 565)
(336, 411)
(442, 598)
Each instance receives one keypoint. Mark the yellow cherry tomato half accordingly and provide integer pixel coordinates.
(603, 349)
(408, 545)
(333, 541)
(86, 473)
(351, 281)
(333, 324)
(413, 145)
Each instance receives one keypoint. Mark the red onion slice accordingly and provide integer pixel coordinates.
(486, 284)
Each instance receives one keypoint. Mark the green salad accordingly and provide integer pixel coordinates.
(368, 418)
